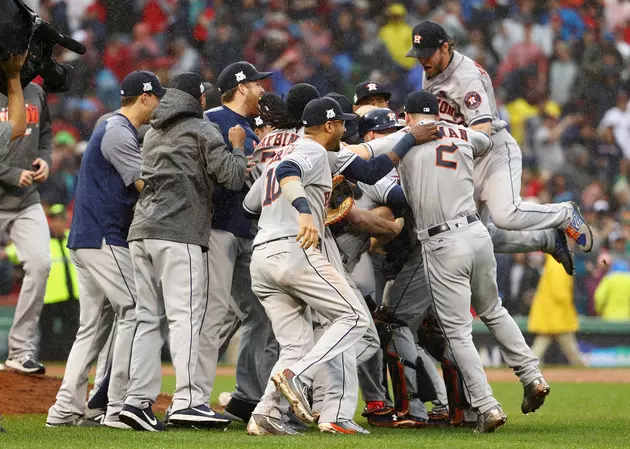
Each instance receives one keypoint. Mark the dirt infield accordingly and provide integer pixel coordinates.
(22, 394)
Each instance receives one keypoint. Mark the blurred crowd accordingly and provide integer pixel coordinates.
(560, 70)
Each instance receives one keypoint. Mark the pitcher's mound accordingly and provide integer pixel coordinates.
(24, 394)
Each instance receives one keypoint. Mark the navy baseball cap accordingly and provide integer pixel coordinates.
(299, 96)
(238, 73)
(421, 102)
(141, 82)
(369, 88)
(189, 82)
(379, 119)
(352, 126)
(322, 110)
(427, 37)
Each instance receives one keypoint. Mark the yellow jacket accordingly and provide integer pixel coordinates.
(397, 39)
(553, 311)
(612, 297)
(57, 286)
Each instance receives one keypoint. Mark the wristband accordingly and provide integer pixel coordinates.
(404, 145)
(301, 205)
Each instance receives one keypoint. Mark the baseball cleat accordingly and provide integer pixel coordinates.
(2, 367)
(200, 416)
(579, 230)
(491, 420)
(345, 427)
(561, 252)
(79, 422)
(141, 419)
(266, 425)
(94, 414)
(379, 414)
(411, 422)
(115, 424)
(296, 393)
(534, 395)
(26, 365)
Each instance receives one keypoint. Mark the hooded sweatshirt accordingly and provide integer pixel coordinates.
(36, 142)
(184, 158)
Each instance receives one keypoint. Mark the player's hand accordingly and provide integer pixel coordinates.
(250, 164)
(399, 224)
(26, 178)
(236, 136)
(424, 133)
(41, 172)
(13, 64)
(308, 235)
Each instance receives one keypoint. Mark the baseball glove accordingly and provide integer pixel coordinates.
(341, 200)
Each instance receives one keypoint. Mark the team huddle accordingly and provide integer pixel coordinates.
(347, 244)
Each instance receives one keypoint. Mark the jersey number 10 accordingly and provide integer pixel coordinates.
(440, 157)
(272, 188)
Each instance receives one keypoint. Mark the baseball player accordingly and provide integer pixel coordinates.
(107, 190)
(289, 273)
(454, 262)
(229, 256)
(22, 168)
(371, 93)
(184, 157)
(466, 97)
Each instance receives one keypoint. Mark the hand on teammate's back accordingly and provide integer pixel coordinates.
(308, 235)
(236, 135)
(424, 133)
(12, 66)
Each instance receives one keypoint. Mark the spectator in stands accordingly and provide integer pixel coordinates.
(396, 34)
(185, 57)
(563, 74)
(553, 315)
(517, 280)
(612, 297)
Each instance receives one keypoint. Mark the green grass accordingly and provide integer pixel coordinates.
(576, 416)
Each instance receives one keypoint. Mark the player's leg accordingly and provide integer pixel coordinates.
(29, 231)
(256, 334)
(448, 257)
(487, 305)
(97, 397)
(95, 323)
(217, 318)
(407, 300)
(179, 269)
(498, 183)
(145, 374)
(363, 276)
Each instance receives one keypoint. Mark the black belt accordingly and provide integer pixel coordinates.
(289, 237)
(435, 230)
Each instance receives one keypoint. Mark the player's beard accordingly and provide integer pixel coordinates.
(334, 144)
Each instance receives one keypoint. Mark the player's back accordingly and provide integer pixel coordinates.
(278, 217)
(465, 93)
(266, 149)
(437, 177)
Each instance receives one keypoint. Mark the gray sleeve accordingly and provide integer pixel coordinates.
(120, 148)
(5, 137)
(229, 168)
(253, 199)
(481, 142)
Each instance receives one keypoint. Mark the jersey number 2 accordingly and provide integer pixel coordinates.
(440, 160)
(272, 188)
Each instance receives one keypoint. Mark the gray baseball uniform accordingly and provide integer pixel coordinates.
(106, 283)
(288, 280)
(5, 137)
(466, 97)
(504, 241)
(21, 214)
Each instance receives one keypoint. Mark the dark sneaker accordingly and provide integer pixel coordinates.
(346, 428)
(239, 410)
(579, 230)
(562, 254)
(79, 422)
(200, 416)
(265, 425)
(379, 414)
(296, 393)
(491, 420)
(141, 419)
(26, 365)
(534, 395)
(411, 422)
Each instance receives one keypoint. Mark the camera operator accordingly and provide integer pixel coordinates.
(13, 121)
(22, 168)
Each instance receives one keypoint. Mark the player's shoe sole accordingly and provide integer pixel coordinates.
(534, 395)
(344, 428)
(200, 416)
(562, 253)
(491, 420)
(260, 425)
(291, 387)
